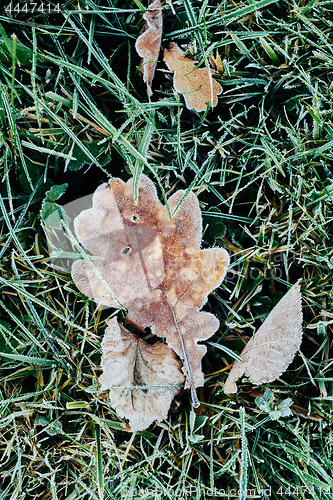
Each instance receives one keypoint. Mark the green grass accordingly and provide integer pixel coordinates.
(73, 110)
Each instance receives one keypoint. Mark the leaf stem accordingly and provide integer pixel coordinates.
(189, 374)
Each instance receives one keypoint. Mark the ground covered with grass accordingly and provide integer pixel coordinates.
(261, 161)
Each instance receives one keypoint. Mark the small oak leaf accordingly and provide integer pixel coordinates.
(272, 348)
(153, 265)
(142, 379)
(148, 44)
(197, 85)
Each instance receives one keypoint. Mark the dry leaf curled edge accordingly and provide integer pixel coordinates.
(148, 44)
(142, 379)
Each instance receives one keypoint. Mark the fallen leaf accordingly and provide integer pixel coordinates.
(148, 44)
(142, 379)
(153, 265)
(197, 85)
(267, 355)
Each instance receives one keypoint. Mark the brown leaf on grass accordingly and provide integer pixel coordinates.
(153, 265)
(142, 379)
(272, 348)
(148, 44)
(197, 85)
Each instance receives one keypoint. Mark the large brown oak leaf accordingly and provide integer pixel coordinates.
(152, 265)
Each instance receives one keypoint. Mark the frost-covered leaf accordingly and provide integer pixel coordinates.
(79, 158)
(142, 379)
(153, 265)
(51, 212)
(267, 355)
(148, 45)
(266, 403)
(197, 85)
(196, 423)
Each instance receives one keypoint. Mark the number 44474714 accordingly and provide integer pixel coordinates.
(24, 8)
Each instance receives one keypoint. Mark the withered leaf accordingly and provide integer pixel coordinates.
(197, 85)
(272, 348)
(148, 44)
(153, 265)
(142, 379)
